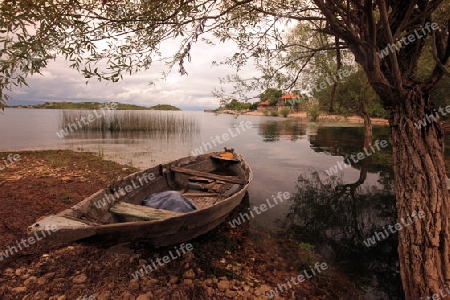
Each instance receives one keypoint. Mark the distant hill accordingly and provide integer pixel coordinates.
(94, 105)
(164, 107)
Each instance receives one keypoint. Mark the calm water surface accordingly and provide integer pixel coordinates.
(334, 214)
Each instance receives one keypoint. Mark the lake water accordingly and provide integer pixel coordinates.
(333, 217)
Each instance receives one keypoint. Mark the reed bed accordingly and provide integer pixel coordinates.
(130, 120)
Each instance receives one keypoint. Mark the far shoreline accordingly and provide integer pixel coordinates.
(323, 117)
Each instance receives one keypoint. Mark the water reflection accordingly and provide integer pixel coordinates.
(338, 217)
(345, 141)
(135, 148)
(134, 137)
(289, 129)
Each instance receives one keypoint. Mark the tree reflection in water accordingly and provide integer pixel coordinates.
(336, 218)
(272, 131)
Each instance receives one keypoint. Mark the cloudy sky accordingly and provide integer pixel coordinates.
(191, 92)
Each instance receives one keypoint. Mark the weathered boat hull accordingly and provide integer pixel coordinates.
(88, 219)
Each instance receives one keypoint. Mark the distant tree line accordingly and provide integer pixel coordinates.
(96, 105)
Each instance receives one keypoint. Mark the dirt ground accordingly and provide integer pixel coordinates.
(226, 263)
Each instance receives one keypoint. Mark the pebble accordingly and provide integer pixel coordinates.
(106, 295)
(265, 288)
(223, 285)
(173, 279)
(79, 279)
(30, 281)
(209, 291)
(189, 257)
(258, 292)
(150, 283)
(50, 275)
(127, 296)
(230, 294)
(8, 272)
(19, 289)
(134, 284)
(41, 281)
(189, 274)
(208, 282)
(40, 296)
(20, 271)
(135, 257)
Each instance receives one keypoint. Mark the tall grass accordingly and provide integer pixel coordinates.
(119, 120)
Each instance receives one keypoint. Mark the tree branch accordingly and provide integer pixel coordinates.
(440, 61)
(397, 77)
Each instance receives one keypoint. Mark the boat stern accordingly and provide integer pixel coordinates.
(60, 229)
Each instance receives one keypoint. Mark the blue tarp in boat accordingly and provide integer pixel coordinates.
(169, 200)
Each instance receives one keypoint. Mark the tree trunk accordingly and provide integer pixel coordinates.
(332, 97)
(420, 185)
(338, 67)
(367, 129)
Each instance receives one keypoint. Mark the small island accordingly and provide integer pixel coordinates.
(93, 105)
(164, 107)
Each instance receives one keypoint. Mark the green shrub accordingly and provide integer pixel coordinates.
(274, 113)
(285, 111)
(377, 111)
(313, 110)
(306, 246)
(265, 112)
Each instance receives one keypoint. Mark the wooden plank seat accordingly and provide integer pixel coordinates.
(230, 179)
(142, 212)
(195, 194)
(200, 179)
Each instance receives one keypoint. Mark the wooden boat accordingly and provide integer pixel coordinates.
(116, 213)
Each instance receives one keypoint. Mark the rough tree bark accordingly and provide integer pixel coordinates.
(420, 184)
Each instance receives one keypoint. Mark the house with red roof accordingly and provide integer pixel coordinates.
(288, 100)
(263, 105)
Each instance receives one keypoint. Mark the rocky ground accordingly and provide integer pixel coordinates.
(227, 263)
